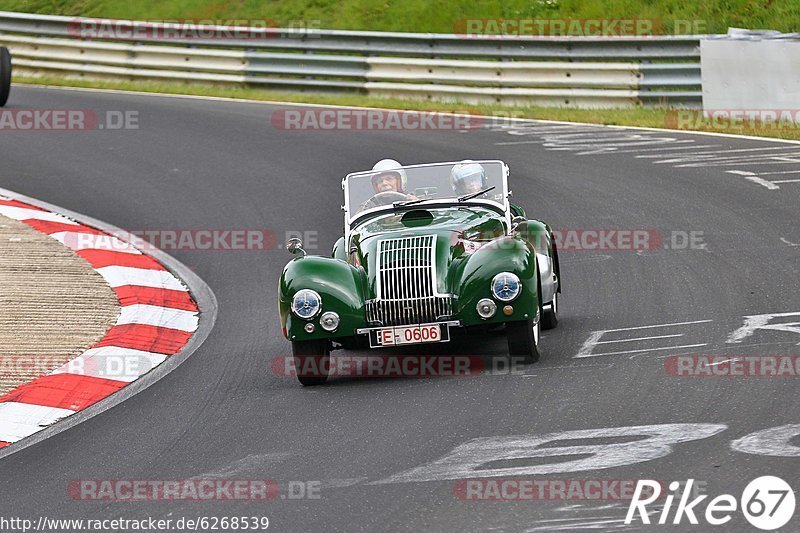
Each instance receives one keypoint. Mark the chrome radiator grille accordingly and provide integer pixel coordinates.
(406, 283)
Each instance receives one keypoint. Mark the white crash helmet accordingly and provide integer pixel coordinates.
(467, 172)
(393, 167)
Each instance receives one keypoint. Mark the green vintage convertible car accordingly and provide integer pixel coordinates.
(426, 249)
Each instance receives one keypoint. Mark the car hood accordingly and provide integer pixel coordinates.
(407, 239)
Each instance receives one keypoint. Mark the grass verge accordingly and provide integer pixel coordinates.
(441, 16)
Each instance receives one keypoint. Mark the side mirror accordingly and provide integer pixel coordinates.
(516, 221)
(295, 246)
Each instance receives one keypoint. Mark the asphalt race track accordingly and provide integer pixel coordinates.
(370, 442)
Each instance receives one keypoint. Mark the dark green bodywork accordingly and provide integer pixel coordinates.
(472, 246)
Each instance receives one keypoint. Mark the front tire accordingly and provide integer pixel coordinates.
(5, 75)
(523, 339)
(312, 361)
(550, 314)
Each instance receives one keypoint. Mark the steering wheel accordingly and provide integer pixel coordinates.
(385, 198)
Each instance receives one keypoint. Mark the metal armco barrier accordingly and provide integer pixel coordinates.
(559, 71)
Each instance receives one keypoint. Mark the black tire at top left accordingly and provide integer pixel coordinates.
(5, 75)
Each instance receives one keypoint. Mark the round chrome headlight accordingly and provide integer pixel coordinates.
(329, 321)
(506, 286)
(486, 308)
(306, 304)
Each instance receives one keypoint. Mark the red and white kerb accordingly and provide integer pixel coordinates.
(157, 318)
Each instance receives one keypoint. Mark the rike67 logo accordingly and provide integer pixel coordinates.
(767, 503)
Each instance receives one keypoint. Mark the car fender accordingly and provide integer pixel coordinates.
(540, 235)
(473, 281)
(339, 251)
(339, 284)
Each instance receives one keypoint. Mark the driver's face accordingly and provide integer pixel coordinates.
(385, 183)
(472, 186)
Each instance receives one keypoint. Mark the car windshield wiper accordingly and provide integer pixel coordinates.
(473, 195)
(409, 202)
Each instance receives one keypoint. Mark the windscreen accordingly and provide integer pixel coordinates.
(385, 189)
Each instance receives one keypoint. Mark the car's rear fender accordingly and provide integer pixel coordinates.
(339, 250)
(540, 236)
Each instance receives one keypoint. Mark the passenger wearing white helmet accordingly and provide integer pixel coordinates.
(389, 184)
(468, 177)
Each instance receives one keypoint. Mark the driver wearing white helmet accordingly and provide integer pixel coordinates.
(389, 184)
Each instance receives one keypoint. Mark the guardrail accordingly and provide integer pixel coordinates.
(560, 71)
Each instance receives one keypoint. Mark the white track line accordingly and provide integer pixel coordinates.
(507, 119)
(658, 326)
(640, 351)
(641, 339)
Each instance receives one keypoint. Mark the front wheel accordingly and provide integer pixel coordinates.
(5, 75)
(550, 314)
(523, 339)
(312, 361)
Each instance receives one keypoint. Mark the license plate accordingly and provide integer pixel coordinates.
(398, 335)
